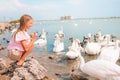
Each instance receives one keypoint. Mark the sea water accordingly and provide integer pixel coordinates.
(72, 28)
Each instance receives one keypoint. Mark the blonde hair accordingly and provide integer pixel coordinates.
(23, 21)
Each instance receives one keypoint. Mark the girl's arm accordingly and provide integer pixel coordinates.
(31, 44)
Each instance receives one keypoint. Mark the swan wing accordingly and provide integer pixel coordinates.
(110, 54)
(101, 69)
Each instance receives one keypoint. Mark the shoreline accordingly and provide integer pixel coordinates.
(79, 19)
(6, 25)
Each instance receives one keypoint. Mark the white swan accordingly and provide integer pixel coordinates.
(99, 36)
(74, 50)
(92, 48)
(100, 69)
(58, 45)
(110, 53)
(42, 41)
(103, 39)
(106, 41)
(61, 33)
(89, 35)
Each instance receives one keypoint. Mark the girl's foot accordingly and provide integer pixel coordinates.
(19, 63)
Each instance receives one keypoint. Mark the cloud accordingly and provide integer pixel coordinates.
(74, 2)
(55, 9)
(16, 5)
(6, 6)
(13, 5)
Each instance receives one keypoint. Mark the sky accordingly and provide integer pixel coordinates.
(54, 9)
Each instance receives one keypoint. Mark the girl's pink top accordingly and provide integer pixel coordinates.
(15, 42)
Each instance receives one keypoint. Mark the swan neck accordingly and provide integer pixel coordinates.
(82, 61)
(117, 44)
(108, 39)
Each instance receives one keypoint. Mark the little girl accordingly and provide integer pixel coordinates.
(21, 42)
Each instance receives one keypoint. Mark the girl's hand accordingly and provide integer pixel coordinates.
(33, 36)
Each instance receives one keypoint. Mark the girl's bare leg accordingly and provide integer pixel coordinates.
(24, 55)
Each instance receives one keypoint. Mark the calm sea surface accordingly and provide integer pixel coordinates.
(72, 28)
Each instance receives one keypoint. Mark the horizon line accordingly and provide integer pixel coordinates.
(113, 17)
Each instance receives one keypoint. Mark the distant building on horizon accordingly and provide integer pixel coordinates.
(66, 18)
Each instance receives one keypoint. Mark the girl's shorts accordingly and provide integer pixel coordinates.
(14, 54)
